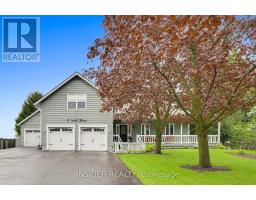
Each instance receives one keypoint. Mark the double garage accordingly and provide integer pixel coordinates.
(89, 138)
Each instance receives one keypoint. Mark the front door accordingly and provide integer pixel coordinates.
(123, 133)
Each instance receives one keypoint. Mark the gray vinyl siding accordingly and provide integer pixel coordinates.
(31, 123)
(54, 110)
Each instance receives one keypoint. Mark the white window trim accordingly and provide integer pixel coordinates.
(129, 128)
(86, 102)
(145, 129)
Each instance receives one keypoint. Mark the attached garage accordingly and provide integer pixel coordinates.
(61, 138)
(92, 138)
(32, 137)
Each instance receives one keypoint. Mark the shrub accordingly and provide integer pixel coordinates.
(149, 147)
(241, 152)
(243, 137)
(135, 152)
(219, 146)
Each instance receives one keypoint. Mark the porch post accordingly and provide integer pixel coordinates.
(219, 126)
(189, 133)
(181, 132)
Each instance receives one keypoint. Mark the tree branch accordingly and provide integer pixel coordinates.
(173, 90)
(210, 89)
(234, 92)
(239, 83)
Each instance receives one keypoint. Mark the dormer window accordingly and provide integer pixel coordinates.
(71, 105)
(81, 104)
(76, 101)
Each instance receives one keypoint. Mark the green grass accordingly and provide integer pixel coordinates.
(249, 152)
(243, 170)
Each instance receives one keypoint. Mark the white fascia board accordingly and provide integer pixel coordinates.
(63, 83)
(28, 117)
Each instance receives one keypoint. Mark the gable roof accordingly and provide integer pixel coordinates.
(76, 74)
(34, 113)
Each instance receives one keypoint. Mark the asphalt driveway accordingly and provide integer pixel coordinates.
(30, 166)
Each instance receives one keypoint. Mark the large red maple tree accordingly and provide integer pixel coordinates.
(136, 96)
(207, 62)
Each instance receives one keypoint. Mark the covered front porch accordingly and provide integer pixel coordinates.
(134, 137)
(177, 139)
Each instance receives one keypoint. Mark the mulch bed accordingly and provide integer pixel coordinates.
(200, 169)
(243, 155)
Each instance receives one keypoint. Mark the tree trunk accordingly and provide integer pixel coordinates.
(158, 142)
(204, 155)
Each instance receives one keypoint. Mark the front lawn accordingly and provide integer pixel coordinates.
(165, 169)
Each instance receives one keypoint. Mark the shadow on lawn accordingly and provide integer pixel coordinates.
(211, 169)
(242, 155)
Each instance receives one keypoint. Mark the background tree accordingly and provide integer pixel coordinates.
(227, 124)
(27, 109)
(241, 128)
(208, 62)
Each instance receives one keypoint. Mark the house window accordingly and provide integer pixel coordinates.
(145, 129)
(81, 104)
(67, 129)
(72, 105)
(54, 130)
(86, 129)
(76, 101)
(169, 129)
(99, 130)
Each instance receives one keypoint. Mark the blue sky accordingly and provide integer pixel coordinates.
(64, 42)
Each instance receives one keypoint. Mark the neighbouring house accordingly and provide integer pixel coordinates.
(69, 118)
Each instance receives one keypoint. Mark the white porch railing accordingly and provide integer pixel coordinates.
(124, 147)
(177, 139)
(116, 138)
(142, 144)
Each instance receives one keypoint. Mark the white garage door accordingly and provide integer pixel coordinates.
(93, 139)
(31, 138)
(61, 138)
